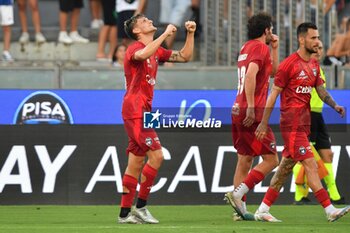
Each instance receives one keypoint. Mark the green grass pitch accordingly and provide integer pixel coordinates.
(218, 218)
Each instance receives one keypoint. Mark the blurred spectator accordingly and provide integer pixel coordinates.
(6, 20)
(340, 48)
(119, 55)
(327, 5)
(70, 7)
(173, 12)
(125, 9)
(95, 8)
(299, 17)
(343, 25)
(195, 6)
(287, 26)
(22, 11)
(249, 9)
(107, 32)
(343, 9)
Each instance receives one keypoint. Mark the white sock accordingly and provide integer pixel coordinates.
(330, 209)
(263, 208)
(240, 191)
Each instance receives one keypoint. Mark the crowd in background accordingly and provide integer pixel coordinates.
(108, 17)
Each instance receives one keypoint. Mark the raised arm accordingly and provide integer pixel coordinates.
(327, 98)
(152, 47)
(261, 130)
(274, 54)
(185, 54)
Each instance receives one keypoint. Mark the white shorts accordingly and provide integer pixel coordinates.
(6, 15)
(173, 11)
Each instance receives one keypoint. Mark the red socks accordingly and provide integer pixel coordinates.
(323, 197)
(270, 196)
(254, 177)
(130, 183)
(150, 173)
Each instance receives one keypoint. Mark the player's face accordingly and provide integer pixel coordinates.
(318, 55)
(268, 35)
(311, 41)
(145, 25)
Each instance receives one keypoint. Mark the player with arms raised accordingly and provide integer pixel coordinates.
(140, 67)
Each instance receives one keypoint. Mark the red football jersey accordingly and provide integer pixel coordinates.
(140, 78)
(297, 77)
(259, 53)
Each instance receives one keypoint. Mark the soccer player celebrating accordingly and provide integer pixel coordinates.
(255, 65)
(140, 67)
(294, 80)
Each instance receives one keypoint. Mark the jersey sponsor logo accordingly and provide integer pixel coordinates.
(303, 89)
(242, 57)
(43, 107)
(302, 77)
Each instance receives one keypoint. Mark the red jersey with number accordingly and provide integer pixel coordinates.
(140, 78)
(258, 53)
(297, 77)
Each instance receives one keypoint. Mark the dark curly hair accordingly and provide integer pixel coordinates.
(257, 25)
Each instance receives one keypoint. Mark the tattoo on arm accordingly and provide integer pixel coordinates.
(330, 101)
(176, 56)
(283, 171)
(325, 96)
(173, 56)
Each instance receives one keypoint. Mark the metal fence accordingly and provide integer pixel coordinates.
(225, 25)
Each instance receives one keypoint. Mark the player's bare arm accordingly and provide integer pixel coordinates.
(327, 98)
(261, 130)
(152, 47)
(283, 172)
(274, 54)
(185, 54)
(176, 56)
(249, 88)
(340, 47)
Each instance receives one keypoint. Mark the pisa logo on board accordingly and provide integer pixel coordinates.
(43, 107)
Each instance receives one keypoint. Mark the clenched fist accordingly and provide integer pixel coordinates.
(274, 41)
(170, 29)
(190, 26)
